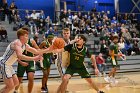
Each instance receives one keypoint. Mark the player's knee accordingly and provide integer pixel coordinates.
(31, 80)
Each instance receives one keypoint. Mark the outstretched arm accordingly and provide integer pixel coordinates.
(52, 50)
(17, 46)
(32, 50)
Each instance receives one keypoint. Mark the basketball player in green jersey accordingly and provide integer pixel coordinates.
(46, 62)
(27, 66)
(113, 52)
(77, 51)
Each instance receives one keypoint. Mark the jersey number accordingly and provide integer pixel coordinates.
(76, 58)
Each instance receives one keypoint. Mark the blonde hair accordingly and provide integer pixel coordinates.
(21, 32)
(66, 30)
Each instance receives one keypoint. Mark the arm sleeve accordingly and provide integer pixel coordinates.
(68, 47)
(88, 54)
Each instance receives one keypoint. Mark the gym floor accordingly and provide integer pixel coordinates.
(128, 83)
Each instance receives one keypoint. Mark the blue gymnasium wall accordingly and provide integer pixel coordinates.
(46, 5)
(87, 5)
(1, 3)
(127, 5)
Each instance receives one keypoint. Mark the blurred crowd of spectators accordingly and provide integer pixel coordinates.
(91, 23)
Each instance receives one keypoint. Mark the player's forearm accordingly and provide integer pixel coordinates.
(48, 50)
(93, 61)
(51, 50)
(36, 51)
(23, 57)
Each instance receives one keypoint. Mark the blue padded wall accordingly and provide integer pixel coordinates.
(127, 5)
(87, 5)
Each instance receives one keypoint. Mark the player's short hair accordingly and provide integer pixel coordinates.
(51, 35)
(83, 37)
(25, 28)
(66, 30)
(21, 32)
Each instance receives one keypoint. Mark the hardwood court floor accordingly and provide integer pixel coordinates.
(128, 83)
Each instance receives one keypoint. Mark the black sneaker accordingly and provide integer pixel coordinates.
(100, 92)
(44, 90)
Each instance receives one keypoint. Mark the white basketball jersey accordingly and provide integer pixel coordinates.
(10, 56)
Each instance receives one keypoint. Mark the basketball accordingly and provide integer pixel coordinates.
(58, 43)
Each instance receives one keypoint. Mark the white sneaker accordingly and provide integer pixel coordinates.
(107, 79)
(114, 81)
(100, 74)
(104, 74)
(133, 53)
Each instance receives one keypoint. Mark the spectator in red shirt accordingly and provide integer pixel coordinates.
(101, 64)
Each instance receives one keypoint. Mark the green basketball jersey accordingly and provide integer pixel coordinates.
(114, 47)
(47, 57)
(48, 54)
(77, 56)
(26, 52)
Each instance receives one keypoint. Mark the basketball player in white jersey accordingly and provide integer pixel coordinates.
(13, 52)
(62, 65)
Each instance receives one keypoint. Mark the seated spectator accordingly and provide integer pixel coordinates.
(41, 26)
(12, 12)
(34, 15)
(104, 48)
(50, 31)
(126, 35)
(101, 64)
(128, 47)
(27, 17)
(36, 38)
(56, 31)
(48, 22)
(42, 15)
(114, 21)
(32, 26)
(121, 45)
(104, 30)
(3, 34)
(135, 47)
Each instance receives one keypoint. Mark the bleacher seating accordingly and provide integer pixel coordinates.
(132, 63)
